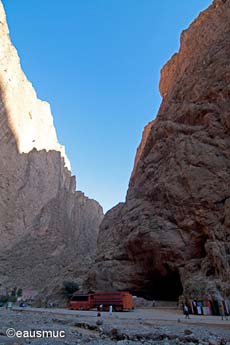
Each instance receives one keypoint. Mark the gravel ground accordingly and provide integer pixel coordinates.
(150, 326)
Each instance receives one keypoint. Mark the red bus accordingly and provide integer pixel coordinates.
(81, 302)
(120, 301)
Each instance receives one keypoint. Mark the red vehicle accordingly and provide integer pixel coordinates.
(81, 302)
(120, 301)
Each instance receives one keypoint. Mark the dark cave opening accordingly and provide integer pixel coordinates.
(158, 285)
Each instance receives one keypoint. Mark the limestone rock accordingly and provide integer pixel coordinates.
(29, 118)
(45, 225)
(172, 234)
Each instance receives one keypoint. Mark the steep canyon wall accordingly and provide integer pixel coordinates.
(172, 235)
(45, 225)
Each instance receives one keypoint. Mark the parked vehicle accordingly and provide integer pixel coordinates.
(81, 302)
(120, 301)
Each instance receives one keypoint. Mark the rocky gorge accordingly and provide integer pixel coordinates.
(172, 234)
(46, 227)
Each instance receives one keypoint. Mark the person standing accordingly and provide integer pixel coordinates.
(223, 313)
(110, 310)
(186, 311)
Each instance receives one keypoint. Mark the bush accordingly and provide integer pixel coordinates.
(19, 292)
(14, 292)
(3, 299)
(12, 299)
(70, 288)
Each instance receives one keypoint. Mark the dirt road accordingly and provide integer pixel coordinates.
(141, 326)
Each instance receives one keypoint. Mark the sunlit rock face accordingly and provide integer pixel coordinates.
(172, 235)
(45, 225)
(29, 118)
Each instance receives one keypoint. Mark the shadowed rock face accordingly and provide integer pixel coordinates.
(45, 225)
(173, 232)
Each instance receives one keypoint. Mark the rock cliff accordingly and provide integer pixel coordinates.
(172, 234)
(45, 225)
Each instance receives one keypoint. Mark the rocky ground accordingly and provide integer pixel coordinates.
(142, 326)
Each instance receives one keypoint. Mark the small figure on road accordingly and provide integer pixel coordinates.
(223, 312)
(110, 310)
(99, 321)
(99, 309)
(186, 311)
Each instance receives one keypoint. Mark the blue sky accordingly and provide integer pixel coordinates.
(97, 62)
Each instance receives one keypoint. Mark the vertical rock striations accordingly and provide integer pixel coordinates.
(173, 232)
(45, 225)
